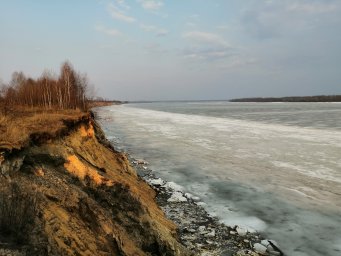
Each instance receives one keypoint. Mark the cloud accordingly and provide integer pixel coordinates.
(147, 28)
(208, 53)
(151, 5)
(110, 32)
(123, 4)
(207, 46)
(155, 48)
(162, 32)
(118, 14)
(237, 62)
(205, 38)
(191, 24)
(275, 19)
(313, 7)
(158, 31)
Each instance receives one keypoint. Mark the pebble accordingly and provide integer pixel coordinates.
(201, 229)
(156, 182)
(141, 161)
(274, 253)
(241, 231)
(265, 243)
(260, 248)
(177, 197)
(200, 203)
(211, 234)
(173, 186)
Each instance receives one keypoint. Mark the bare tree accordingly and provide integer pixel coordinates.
(68, 91)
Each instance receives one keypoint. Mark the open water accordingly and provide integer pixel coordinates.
(272, 167)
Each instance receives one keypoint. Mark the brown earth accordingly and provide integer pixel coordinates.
(66, 191)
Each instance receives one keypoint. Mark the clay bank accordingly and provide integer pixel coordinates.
(67, 191)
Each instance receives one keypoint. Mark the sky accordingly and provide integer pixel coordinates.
(178, 49)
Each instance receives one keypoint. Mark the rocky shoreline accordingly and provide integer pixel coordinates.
(198, 231)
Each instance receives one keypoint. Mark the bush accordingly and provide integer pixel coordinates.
(17, 213)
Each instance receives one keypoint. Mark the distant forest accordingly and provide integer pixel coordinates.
(320, 98)
(67, 91)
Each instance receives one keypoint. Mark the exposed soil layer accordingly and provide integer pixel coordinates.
(84, 199)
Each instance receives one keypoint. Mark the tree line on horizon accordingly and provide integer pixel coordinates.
(319, 98)
(67, 91)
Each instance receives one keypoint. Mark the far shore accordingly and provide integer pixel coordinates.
(319, 98)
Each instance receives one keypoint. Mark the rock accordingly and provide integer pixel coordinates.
(39, 172)
(173, 186)
(195, 198)
(260, 248)
(141, 161)
(233, 232)
(202, 229)
(177, 197)
(273, 242)
(265, 243)
(246, 253)
(241, 231)
(211, 234)
(274, 253)
(156, 182)
(200, 203)
(273, 248)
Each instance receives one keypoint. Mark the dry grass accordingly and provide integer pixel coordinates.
(17, 126)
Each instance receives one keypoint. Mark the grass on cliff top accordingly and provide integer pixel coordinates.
(17, 125)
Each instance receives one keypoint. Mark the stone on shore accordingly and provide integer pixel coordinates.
(177, 197)
(259, 248)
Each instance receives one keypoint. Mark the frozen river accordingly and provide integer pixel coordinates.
(275, 168)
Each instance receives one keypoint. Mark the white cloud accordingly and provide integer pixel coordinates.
(110, 32)
(150, 28)
(123, 4)
(191, 24)
(205, 38)
(279, 19)
(208, 53)
(151, 5)
(155, 48)
(118, 14)
(207, 46)
(147, 28)
(312, 7)
(161, 32)
(237, 62)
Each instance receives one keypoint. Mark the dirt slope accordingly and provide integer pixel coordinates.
(85, 199)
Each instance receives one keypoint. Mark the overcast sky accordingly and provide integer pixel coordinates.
(179, 49)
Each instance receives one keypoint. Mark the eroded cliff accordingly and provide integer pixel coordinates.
(78, 196)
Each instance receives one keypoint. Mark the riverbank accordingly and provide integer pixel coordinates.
(67, 191)
(78, 195)
(200, 232)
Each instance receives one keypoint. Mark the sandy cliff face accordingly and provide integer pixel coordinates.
(87, 200)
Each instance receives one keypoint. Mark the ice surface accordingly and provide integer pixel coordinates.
(270, 167)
